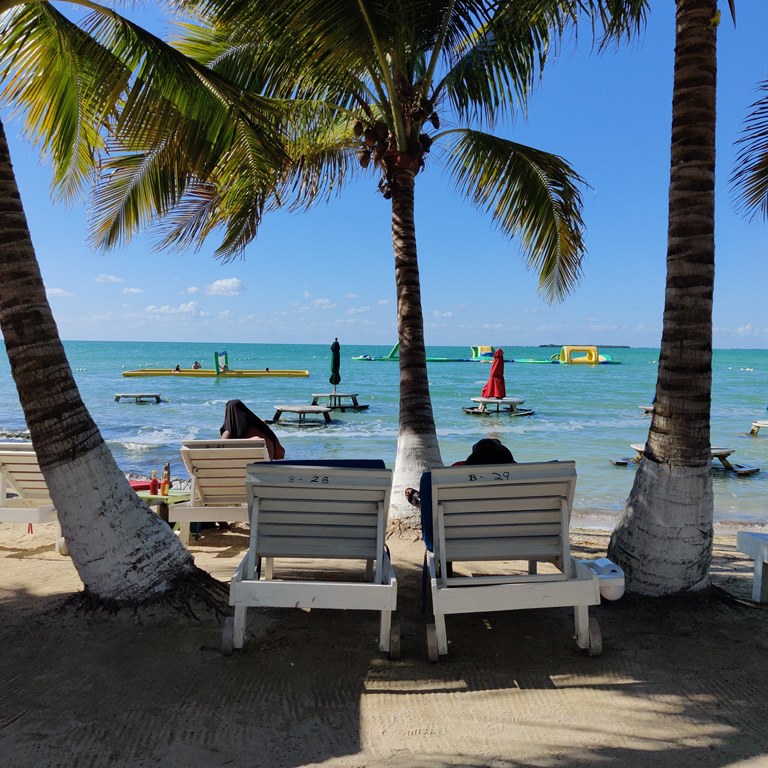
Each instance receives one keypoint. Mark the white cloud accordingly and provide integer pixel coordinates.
(383, 301)
(108, 279)
(229, 286)
(58, 292)
(323, 304)
(438, 313)
(350, 295)
(190, 309)
(192, 289)
(358, 310)
(307, 294)
(133, 290)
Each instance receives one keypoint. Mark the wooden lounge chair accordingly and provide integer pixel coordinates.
(217, 469)
(317, 514)
(483, 515)
(24, 496)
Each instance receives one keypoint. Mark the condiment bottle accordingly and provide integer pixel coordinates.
(153, 484)
(165, 484)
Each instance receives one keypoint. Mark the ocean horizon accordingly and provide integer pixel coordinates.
(590, 414)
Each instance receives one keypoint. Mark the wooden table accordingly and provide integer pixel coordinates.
(336, 401)
(141, 397)
(162, 502)
(721, 454)
(496, 405)
(302, 411)
(756, 425)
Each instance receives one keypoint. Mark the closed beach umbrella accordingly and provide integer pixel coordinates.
(495, 386)
(335, 364)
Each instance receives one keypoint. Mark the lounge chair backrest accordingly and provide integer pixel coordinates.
(502, 512)
(218, 467)
(20, 473)
(318, 511)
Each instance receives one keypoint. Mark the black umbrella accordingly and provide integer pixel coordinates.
(335, 364)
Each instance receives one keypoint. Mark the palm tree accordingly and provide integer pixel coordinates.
(380, 85)
(664, 538)
(68, 80)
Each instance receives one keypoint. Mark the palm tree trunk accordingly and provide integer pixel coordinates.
(664, 538)
(417, 446)
(122, 552)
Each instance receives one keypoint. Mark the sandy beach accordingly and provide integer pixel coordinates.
(678, 684)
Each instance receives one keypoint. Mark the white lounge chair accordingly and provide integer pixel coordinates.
(315, 513)
(498, 514)
(217, 469)
(24, 496)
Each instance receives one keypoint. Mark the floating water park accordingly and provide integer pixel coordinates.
(221, 369)
(480, 354)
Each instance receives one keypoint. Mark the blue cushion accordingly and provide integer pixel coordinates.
(425, 502)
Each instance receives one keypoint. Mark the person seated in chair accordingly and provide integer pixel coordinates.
(489, 450)
(240, 422)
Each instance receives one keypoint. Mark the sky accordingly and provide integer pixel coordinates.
(330, 272)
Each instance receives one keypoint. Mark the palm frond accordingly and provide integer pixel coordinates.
(64, 84)
(749, 181)
(527, 192)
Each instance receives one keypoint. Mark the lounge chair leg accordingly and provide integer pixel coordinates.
(238, 628)
(442, 635)
(184, 533)
(581, 615)
(760, 582)
(432, 653)
(385, 625)
(269, 568)
(369, 570)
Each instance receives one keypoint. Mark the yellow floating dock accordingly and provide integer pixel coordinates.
(211, 372)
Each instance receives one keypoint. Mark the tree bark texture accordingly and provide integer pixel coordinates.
(121, 551)
(664, 538)
(417, 446)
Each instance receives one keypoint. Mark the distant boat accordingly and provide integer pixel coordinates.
(478, 355)
(573, 355)
(221, 369)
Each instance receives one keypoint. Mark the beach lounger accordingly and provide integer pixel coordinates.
(24, 496)
(324, 517)
(484, 518)
(217, 469)
(755, 545)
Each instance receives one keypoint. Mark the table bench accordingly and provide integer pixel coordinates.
(142, 397)
(302, 411)
(756, 546)
(336, 401)
(496, 405)
(721, 454)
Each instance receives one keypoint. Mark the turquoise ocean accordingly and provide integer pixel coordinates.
(587, 413)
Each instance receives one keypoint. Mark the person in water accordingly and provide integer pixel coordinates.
(240, 422)
(196, 365)
(489, 450)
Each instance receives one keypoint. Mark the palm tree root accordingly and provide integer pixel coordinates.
(187, 594)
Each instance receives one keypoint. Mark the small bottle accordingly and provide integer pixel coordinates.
(153, 484)
(165, 483)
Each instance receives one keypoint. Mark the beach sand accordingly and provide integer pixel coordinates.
(680, 683)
